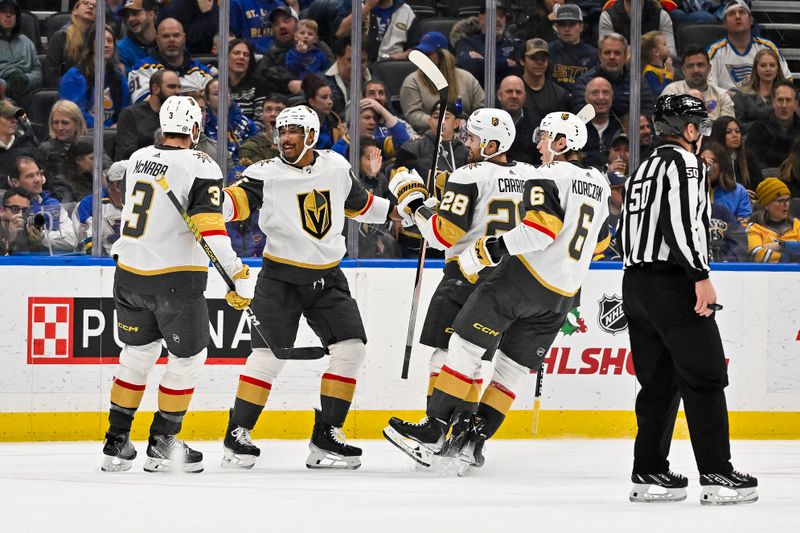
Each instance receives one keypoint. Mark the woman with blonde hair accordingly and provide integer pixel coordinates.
(418, 94)
(64, 46)
(66, 123)
(754, 102)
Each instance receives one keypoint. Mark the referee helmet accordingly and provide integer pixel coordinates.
(674, 111)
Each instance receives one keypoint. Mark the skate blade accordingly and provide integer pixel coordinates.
(716, 495)
(154, 464)
(647, 493)
(415, 450)
(319, 459)
(235, 461)
(116, 464)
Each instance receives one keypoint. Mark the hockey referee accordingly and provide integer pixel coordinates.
(670, 303)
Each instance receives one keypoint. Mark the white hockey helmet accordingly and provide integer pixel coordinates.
(299, 115)
(490, 124)
(566, 124)
(179, 114)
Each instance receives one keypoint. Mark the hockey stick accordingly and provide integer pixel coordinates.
(537, 400)
(432, 72)
(302, 353)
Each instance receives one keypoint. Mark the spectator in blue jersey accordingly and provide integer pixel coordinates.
(140, 35)
(319, 97)
(613, 66)
(724, 189)
(77, 85)
(306, 57)
(170, 53)
(569, 55)
(387, 22)
(198, 18)
(240, 128)
(20, 68)
(658, 70)
(252, 20)
(470, 49)
(377, 90)
(376, 122)
(111, 207)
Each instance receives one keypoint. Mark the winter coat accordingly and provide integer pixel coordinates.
(18, 54)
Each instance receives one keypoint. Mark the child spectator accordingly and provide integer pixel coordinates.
(773, 235)
(306, 57)
(658, 70)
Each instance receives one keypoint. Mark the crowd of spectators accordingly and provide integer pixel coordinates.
(550, 55)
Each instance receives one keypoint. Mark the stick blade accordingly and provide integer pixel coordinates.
(586, 114)
(428, 68)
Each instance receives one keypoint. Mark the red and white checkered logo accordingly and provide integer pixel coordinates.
(49, 328)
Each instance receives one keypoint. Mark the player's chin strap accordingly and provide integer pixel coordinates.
(306, 148)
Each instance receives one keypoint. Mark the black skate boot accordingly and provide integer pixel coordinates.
(419, 441)
(459, 434)
(471, 453)
(240, 452)
(328, 449)
(728, 489)
(658, 488)
(162, 450)
(119, 453)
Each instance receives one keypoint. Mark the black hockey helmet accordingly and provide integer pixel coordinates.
(674, 111)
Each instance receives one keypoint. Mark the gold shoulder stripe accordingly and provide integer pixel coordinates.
(602, 245)
(208, 222)
(545, 222)
(447, 232)
(241, 207)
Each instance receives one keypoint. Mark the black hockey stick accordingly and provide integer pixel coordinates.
(432, 72)
(302, 353)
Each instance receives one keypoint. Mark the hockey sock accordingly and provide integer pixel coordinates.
(172, 407)
(431, 382)
(449, 391)
(336, 394)
(125, 400)
(494, 406)
(251, 397)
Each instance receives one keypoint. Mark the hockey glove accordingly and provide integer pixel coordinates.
(790, 247)
(476, 257)
(409, 190)
(243, 295)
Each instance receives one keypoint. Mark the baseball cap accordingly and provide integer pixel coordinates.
(734, 4)
(117, 171)
(286, 10)
(9, 110)
(449, 108)
(432, 41)
(132, 5)
(620, 137)
(568, 12)
(498, 3)
(533, 46)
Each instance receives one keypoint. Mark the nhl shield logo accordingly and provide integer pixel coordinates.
(611, 317)
(315, 212)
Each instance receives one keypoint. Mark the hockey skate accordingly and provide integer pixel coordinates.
(658, 488)
(728, 489)
(466, 442)
(419, 441)
(328, 449)
(240, 452)
(164, 450)
(119, 453)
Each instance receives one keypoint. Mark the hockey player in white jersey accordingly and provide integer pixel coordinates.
(540, 266)
(158, 287)
(482, 198)
(304, 196)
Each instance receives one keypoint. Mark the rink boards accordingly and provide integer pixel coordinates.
(59, 348)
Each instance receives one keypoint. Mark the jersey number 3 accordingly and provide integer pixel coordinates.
(134, 227)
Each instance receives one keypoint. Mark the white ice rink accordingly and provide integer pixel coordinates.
(526, 486)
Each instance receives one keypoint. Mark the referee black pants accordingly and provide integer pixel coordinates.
(677, 354)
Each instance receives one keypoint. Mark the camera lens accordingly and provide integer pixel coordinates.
(38, 220)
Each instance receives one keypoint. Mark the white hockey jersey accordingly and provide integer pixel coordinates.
(479, 199)
(156, 251)
(302, 212)
(565, 224)
(731, 70)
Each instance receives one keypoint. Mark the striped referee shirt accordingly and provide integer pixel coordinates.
(665, 216)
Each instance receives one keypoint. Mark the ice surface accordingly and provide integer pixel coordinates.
(526, 486)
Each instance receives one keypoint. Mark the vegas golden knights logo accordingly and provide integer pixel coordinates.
(564, 116)
(315, 212)
(495, 121)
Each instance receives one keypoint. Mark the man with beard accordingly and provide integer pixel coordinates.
(696, 68)
(170, 53)
(138, 123)
(140, 16)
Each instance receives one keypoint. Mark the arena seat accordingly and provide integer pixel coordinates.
(39, 111)
(443, 25)
(29, 26)
(698, 35)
